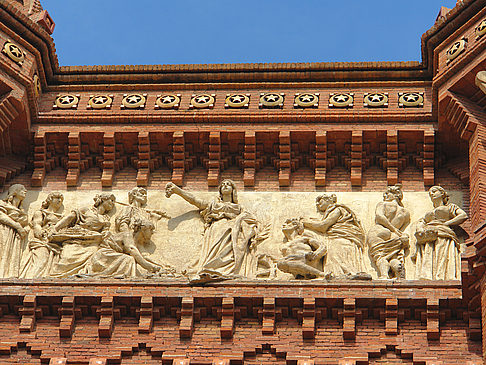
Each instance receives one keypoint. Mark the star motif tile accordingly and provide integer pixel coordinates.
(410, 99)
(15, 51)
(237, 98)
(100, 99)
(134, 99)
(271, 100)
(270, 97)
(341, 98)
(376, 100)
(202, 101)
(66, 99)
(306, 98)
(167, 99)
(170, 101)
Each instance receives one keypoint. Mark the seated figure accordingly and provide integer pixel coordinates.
(302, 253)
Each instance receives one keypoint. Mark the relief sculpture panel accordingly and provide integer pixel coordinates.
(204, 237)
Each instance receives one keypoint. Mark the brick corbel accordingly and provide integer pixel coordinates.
(68, 313)
(428, 162)
(349, 318)
(284, 159)
(74, 159)
(40, 159)
(321, 158)
(98, 361)
(109, 156)
(58, 361)
(221, 362)
(146, 320)
(309, 318)
(249, 159)
(144, 154)
(105, 326)
(227, 317)
(178, 158)
(186, 324)
(391, 316)
(392, 157)
(433, 332)
(269, 316)
(28, 312)
(214, 155)
(356, 158)
(181, 362)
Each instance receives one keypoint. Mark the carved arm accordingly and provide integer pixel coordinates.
(171, 188)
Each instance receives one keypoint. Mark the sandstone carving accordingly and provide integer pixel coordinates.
(302, 253)
(13, 233)
(386, 239)
(344, 238)
(42, 254)
(438, 247)
(136, 211)
(80, 233)
(230, 237)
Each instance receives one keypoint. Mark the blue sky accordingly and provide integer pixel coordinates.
(97, 32)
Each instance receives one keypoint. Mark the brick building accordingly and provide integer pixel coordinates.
(270, 127)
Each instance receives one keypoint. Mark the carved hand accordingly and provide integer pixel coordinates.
(169, 189)
(310, 256)
(22, 232)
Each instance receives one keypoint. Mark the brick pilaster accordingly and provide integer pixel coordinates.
(74, 159)
(284, 159)
(40, 159)
(477, 177)
(356, 158)
(214, 164)
(321, 158)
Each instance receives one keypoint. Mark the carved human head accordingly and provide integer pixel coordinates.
(293, 224)
(103, 197)
(324, 200)
(145, 226)
(227, 184)
(16, 190)
(52, 195)
(394, 192)
(137, 193)
(437, 190)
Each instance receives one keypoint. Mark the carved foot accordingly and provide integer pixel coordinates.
(202, 279)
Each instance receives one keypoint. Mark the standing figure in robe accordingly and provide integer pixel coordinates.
(438, 255)
(42, 254)
(386, 238)
(229, 237)
(13, 234)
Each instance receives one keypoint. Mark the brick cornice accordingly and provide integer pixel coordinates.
(271, 72)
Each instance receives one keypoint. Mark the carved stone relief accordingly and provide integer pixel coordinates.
(226, 235)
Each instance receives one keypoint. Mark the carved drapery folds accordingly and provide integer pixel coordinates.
(225, 239)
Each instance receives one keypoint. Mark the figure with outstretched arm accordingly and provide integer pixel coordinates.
(226, 250)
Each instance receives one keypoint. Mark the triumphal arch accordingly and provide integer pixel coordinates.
(309, 213)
